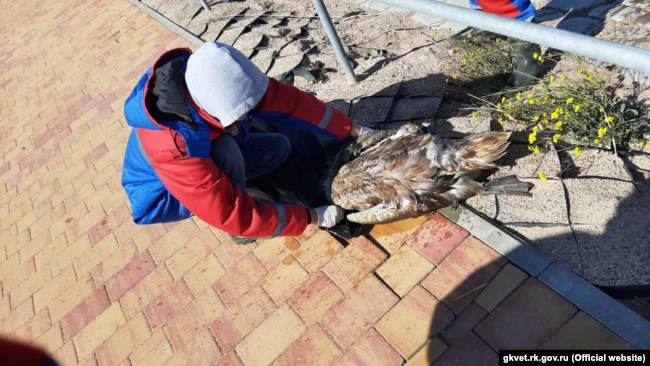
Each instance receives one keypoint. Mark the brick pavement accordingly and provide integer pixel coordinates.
(82, 281)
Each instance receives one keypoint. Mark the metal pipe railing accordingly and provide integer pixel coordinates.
(597, 49)
(326, 21)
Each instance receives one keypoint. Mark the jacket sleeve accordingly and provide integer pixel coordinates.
(283, 101)
(210, 195)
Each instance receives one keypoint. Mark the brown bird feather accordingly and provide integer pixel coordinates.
(391, 175)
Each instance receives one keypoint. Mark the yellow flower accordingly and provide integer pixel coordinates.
(532, 137)
(577, 151)
(535, 55)
(554, 115)
(576, 107)
(647, 146)
(499, 106)
(552, 78)
(536, 118)
(536, 150)
(609, 119)
(596, 141)
(569, 100)
(542, 176)
(518, 96)
(563, 77)
(474, 115)
(602, 131)
(535, 130)
(558, 125)
(556, 138)
(531, 101)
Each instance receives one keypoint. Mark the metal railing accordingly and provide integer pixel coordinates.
(597, 49)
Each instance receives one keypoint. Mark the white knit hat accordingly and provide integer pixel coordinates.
(224, 82)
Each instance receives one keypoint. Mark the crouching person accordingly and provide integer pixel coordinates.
(191, 152)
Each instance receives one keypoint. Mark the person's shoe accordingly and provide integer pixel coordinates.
(241, 240)
(527, 69)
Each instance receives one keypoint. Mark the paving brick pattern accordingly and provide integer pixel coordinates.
(82, 281)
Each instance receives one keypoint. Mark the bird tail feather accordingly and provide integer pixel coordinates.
(479, 151)
(508, 185)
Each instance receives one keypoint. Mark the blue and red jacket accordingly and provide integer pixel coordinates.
(168, 173)
(518, 9)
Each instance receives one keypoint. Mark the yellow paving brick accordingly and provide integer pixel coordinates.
(145, 291)
(271, 252)
(5, 307)
(18, 316)
(391, 236)
(204, 274)
(85, 262)
(173, 240)
(317, 250)
(66, 355)
(64, 258)
(191, 253)
(34, 327)
(14, 273)
(71, 297)
(125, 340)
(404, 269)
(210, 304)
(154, 351)
(284, 279)
(271, 337)
(29, 286)
(97, 331)
(54, 288)
(51, 340)
(40, 238)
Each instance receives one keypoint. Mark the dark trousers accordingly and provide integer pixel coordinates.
(257, 155)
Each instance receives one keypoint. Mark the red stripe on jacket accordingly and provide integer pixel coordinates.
(284, 98)
(502, 7)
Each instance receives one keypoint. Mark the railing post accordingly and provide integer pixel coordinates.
(326, 21)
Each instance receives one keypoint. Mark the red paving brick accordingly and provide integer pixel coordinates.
(168, 304)
(459, 278)
(233, 325)
(83, 281)
(84, 313)
(314, 347)
(239, 279)
(358, 310)
(315, 297)
(436, 238)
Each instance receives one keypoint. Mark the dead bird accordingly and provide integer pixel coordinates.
(388, 175)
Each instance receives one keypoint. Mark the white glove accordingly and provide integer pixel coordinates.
(363, 130)
(328, 216)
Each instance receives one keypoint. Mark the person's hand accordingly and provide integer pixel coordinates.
(327, 216)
